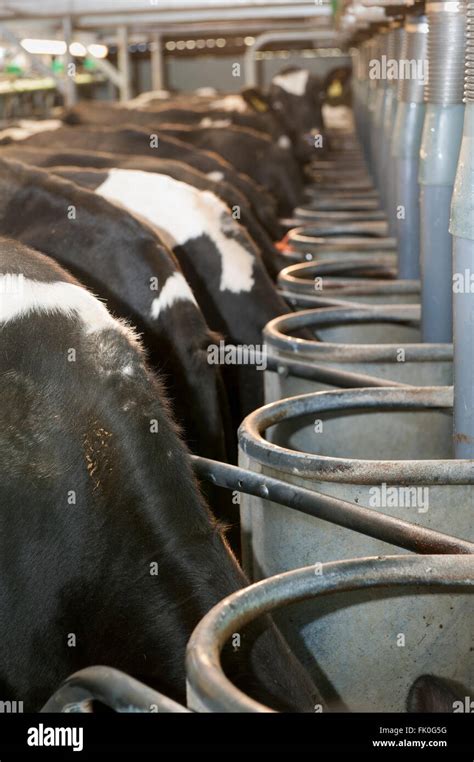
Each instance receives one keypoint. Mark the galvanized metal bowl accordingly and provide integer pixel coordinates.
(209, 690)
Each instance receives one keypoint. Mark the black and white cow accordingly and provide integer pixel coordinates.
(125, 262)
(251, 152)
(143, 143)
(297, 95)
(213, 182)
(218, 258)
(109, 555)
(292, 107)
(293, 102)
(183, 112)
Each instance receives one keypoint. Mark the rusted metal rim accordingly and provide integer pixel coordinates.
(377, 265)
(309, 214)
(371, 228)
(332, 285)
(111, 687)
(354, 186)
(344, 204)
(352, 470)
(317, 192)
(279, 335)
(205, 675)
(340, 178)
(299, 240)
(300, 277)
(300, 256)
(316, 302)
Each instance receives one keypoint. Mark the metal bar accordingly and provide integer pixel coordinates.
(183, 10)
(109, 71)
(463, 260)
(157, 63)
(70, 89)
(225, 13)
(111, 687)
(327, 375)
(250, 63)
(208, 686)
(124, 64)
(396, 532)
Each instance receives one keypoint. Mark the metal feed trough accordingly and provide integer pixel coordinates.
(357, 584)
(363, 236)
(311, 279)
(390, 451)
(379, 344)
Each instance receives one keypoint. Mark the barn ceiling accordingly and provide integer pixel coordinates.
(26, 17)
(94, 11)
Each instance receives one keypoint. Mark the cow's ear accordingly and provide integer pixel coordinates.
(257, 100)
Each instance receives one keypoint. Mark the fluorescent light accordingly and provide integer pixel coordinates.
(44, 47)
(98, 51)
(77, 49)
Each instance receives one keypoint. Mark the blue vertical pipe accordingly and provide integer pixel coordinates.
(406, 143)
(462, 229)
(440, 144)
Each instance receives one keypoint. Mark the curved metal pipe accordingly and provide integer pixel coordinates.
(111, 687)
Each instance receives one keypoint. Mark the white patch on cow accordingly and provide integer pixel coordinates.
(206, 92)
(176, 289)
(215, 176)
(208, 122)
(145, 98)
(181, 212)
(284, 142)
(294, 82)
(338, 117)
(230, 103)
(58, 297)
(25, 128)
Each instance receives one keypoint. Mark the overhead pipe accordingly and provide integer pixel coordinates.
(440, 144)
(250, 63)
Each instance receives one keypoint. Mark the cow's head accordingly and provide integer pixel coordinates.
(296, 95)
(298, 118)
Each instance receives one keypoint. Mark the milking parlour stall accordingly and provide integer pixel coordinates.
(236, 378)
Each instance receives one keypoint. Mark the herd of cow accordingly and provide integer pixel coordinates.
(133, 238)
